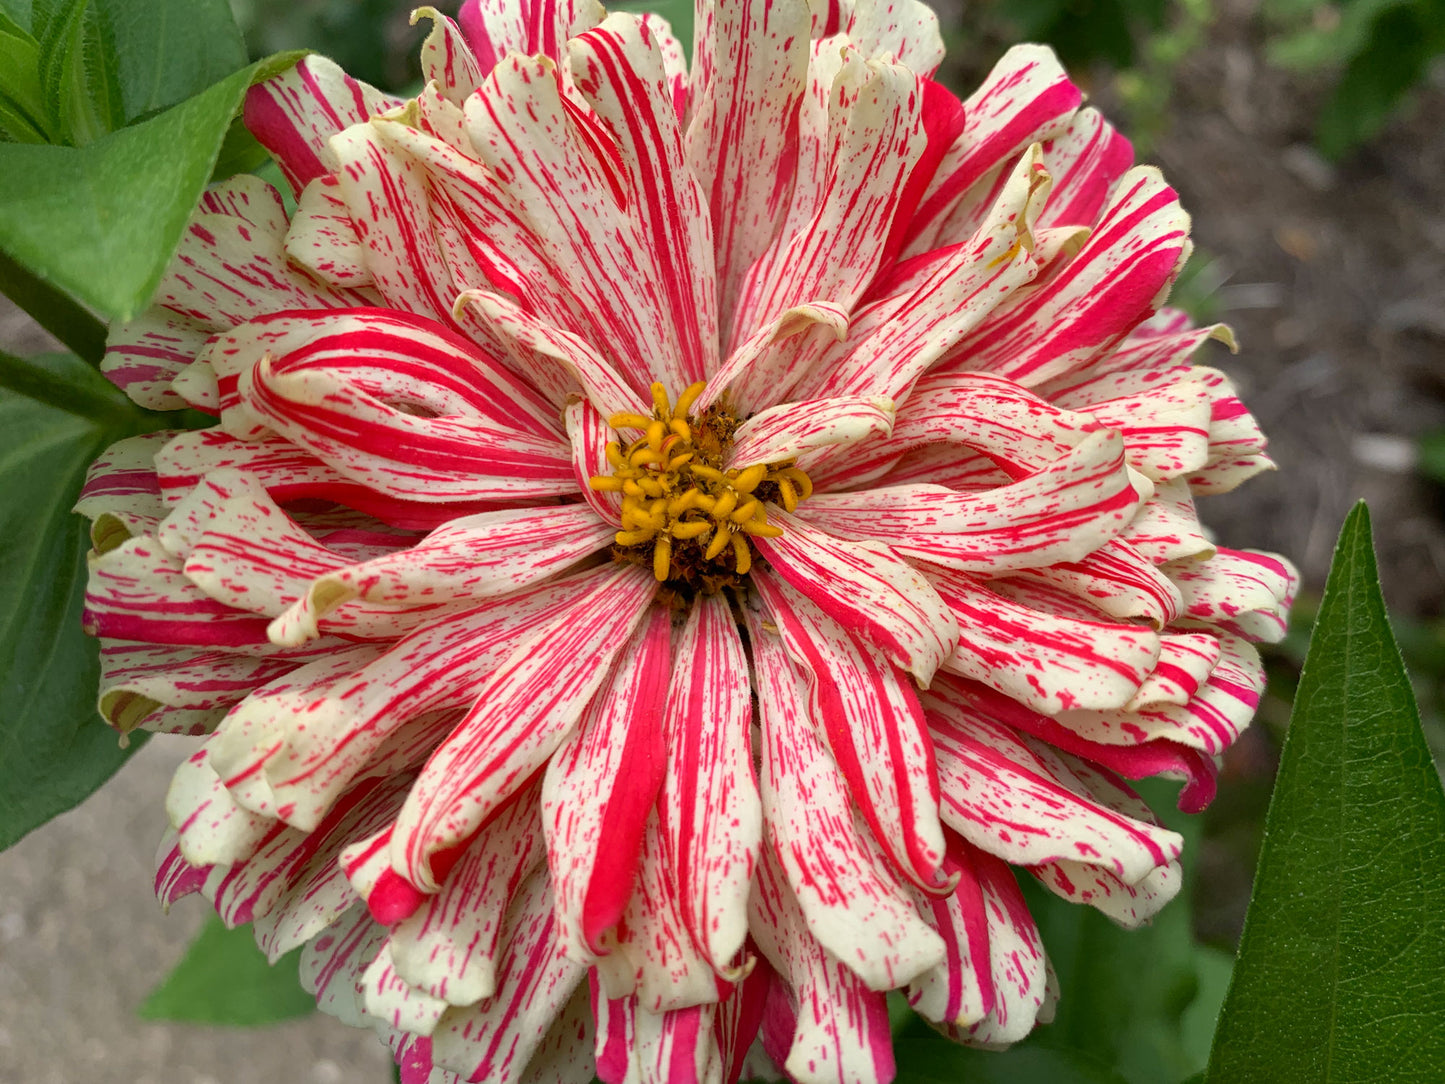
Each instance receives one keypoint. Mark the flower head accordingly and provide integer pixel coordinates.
(672, 537)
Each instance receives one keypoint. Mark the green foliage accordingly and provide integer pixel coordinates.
(1383, 49)
(225, 979)
(926, 1057)
(101, 221)
(56, 415)
(1341, 970)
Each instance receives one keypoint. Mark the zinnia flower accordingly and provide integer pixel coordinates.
(672, 537)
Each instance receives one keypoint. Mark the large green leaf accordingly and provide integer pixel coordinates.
(225, 979)
(1341, 970)
(101, 221)
(167, 50)
(56, 415)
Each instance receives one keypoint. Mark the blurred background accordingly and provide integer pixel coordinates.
(1308, 141)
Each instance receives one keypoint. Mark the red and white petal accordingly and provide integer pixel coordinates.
(655, 956)
(791, 430)
(446, 57)
(298, 742)
(511, 731)
(710, 813)
(175, 878)
(1167, 528)
(776, 355)
(906, 30)
(849, 900)
(564, 1055)
(959, 990)
(474, 557)
(448, 949)
(600, 787)
(136, 680)
(1115, 579)
(874, 726)
(1051, 663)
(387, 195)
(1086, 160)
(618, 68)
(674, 1045)
(138, 591)
(494, 1039)
(232, 266)
(212, 829)
(861, 585)
(1246, 592)
(1021, 975)
(1209, 721)
(121, 494)
(1060, 514)
(495, 28)
(1027, 97)
(1117, 279)
(589, 435)
(143, 356)
(749, 78)
(841, 1033)
(1166, 430)
(333, 963)
(1128, 905)
(528, 336)
(828, 247)
(1016, 799)
(395, 452)
(898, 340)
(323, 238)
(295, 114)
(395, 1003)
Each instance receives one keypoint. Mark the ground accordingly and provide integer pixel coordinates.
(1330, 274)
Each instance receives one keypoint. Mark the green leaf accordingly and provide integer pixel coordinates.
(225, 979)
(168, 50)
(101, 221)
(1341, 970)
(56, 415)
(926, 1057)
(22, 102)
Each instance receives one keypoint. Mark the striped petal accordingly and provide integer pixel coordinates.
(143, 356)
(495, 28)
(600, 787)
(862, 586)
(494, 1039)
(618, 68)
(1081, 501)
(1048, 662)
(1244, 591)
(791, 430)
(841, 1033)
(875, 730)
(749, 78)
(710, 813)
(511, 731)
(849, 901)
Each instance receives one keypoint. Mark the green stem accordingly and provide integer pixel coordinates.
(70, 322)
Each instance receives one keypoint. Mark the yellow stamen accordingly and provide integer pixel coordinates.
(744, 512)
(742, 554)
(717, 545)
(687, 398)
(676, 493)
(750, 479)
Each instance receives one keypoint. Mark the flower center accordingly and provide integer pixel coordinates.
(682, 512)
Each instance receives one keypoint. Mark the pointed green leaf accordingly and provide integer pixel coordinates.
(168, 50)
(1341, 970)
(225, 979)
(101, 221)
(56, 415)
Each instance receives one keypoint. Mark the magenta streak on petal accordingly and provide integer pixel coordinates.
(614, 1027)
(739, 1015)
(643, 765)
(830, 706)
(943, 121)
